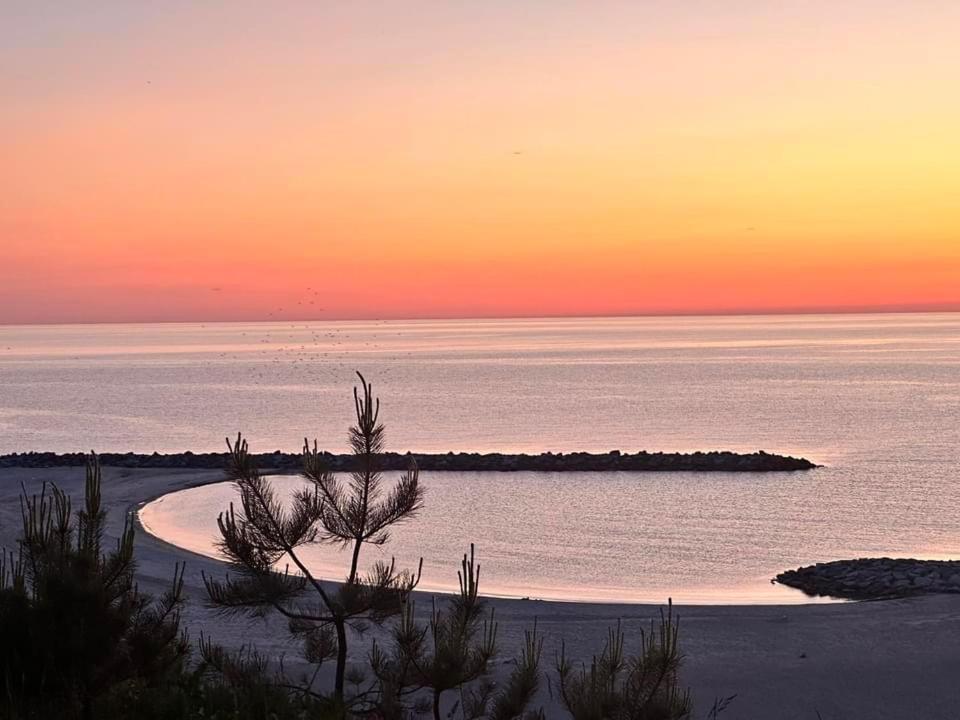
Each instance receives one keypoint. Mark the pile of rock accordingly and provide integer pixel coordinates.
(495, 462)
(875, 578)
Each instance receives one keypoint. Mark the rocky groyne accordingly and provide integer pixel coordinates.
(875, 578)
(495, 462)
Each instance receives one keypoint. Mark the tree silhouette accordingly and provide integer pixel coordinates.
(616, 687)
(449, 653)
(349, 513)
(74, 625)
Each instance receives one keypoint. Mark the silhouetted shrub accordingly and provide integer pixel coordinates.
(640, 687)
(452, 652)
(73, 625)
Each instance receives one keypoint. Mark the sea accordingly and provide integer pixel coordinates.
(874, 399)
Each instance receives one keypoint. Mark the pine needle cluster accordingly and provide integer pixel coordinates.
(616, 687)
(452, 653)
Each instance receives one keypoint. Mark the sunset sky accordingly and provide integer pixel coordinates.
(214, 160)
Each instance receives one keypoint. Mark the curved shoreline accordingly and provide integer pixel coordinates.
(714, 461)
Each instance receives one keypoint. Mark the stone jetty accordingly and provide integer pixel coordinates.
(462, 462)
(875, 578)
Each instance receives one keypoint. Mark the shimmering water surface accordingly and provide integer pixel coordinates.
(874, 398)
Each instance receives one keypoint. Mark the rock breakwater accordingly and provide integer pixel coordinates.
(495, 462)
(875, 578)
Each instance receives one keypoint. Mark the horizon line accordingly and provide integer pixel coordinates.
(952, 307)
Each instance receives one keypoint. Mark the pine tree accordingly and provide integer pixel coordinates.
(351, 513)
(453, 652)
(615, 687)
(74, 625)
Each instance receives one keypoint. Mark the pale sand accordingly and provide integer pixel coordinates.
(889, 659)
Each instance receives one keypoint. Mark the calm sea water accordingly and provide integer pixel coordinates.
(876, 398)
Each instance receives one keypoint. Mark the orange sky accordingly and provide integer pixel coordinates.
(202, 161)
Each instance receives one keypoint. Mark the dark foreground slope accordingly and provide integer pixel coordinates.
(497, 462)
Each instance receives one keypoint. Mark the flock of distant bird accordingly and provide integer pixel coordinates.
(311, 301)
(314, 351)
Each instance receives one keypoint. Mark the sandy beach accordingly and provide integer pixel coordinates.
(889, 659)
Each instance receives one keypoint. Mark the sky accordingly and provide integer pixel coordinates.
(185, 161)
